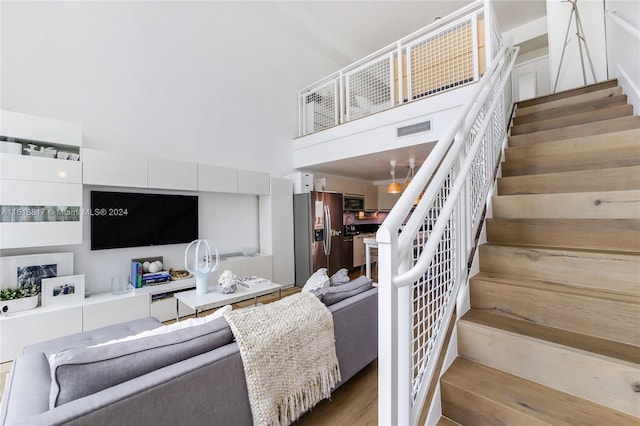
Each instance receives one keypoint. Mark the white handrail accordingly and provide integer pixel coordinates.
(441, 223)
(398, 214)
(419, 278)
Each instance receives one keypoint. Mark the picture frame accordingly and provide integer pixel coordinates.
(63, 290)
(24, 270)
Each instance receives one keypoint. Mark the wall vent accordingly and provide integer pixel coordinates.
(424, 126)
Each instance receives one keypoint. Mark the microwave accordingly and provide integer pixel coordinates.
(352, 203)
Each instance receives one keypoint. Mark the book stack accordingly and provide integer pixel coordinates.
(153, 278)
(136, 274)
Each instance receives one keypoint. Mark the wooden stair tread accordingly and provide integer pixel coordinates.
(601, 379)
(560, 288)
(610, 271)
(445, 421)
(571, 109)
(568, 93)
(599, 234)
(610, 157)
(573, 100)
(623, 138)
(523, 401)
(578, 205)
(609, 179)
(573, 119)
(609, 348)
(578, 130)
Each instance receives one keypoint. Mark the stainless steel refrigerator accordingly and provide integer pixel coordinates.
(318, 235)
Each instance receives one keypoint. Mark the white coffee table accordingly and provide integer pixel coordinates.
(213, 299)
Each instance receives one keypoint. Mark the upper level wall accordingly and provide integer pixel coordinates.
(378, 132)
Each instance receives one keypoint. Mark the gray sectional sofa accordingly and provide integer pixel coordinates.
(190, 376)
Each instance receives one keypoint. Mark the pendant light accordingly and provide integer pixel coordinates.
(412, 166)
(394, 187)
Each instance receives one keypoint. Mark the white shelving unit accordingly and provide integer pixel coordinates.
(27, 181)
(41, 198)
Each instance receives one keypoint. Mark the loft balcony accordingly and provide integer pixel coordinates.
(399, 97)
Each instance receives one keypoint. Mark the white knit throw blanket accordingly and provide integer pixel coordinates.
(289, 356)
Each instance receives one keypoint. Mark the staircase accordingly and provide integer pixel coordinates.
(553, 333)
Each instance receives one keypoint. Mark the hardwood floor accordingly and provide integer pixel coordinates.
(354, 403)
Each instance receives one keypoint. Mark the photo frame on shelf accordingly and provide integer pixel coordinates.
(62, 290)
(31, 269)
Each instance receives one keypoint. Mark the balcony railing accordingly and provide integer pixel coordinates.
(446, 54)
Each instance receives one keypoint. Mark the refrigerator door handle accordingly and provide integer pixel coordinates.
(327, 234)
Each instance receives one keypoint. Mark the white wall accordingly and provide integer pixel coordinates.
(592, 16)
(182, 80)
(192, 81)
(623, 63)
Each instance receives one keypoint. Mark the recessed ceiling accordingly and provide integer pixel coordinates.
(376, 167)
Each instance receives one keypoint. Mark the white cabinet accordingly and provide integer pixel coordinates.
(276, 229)
(41, 197)
(113, 169)
(28, 327)
(33, 128)
(171, 174)
(39, 169)
(105, 309)
(250, 182)
(40, 213)
(217, 179)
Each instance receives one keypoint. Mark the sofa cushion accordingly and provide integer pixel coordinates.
(319, 279)
(164, 329)
(335, 294)
(93, 337)
(340, 277)
(83, 371)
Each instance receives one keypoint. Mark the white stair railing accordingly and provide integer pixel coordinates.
(423, 261)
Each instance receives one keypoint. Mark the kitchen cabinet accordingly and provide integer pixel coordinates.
(386, 201)
(343, 186)
(371, 197)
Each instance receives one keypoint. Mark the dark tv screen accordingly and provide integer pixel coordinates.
(125, 219)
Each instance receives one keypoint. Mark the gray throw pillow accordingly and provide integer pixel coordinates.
(336, 294)
(79, 372)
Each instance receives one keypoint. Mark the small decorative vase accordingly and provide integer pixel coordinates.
(227, 287)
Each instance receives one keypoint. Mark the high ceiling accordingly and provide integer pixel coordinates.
(348, 31)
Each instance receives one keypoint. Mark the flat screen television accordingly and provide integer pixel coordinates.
(126, 219)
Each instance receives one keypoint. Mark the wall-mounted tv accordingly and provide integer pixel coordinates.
(126, 219)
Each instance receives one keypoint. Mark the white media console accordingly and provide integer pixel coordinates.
(32, 180)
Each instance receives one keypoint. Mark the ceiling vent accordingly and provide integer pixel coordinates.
(412, 129)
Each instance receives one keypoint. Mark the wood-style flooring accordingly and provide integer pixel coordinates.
(355, 403)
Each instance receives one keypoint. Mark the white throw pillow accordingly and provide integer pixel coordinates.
(340, 277)
(163, 329)
(318, 280)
